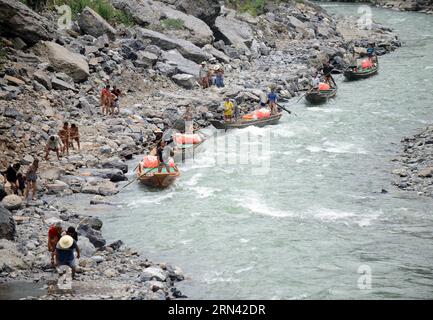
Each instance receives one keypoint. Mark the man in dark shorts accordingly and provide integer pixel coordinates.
(327, 70)
(12, 176)
(63, 255)
(116, 95)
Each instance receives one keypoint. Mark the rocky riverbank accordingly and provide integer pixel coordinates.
(51, 75)
(424, 6)
(414, 170)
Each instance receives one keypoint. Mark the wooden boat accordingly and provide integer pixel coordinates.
(272, 120)
(151, 177)
(321, 96)
(350, 73)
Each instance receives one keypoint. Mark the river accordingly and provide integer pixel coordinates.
(318, 219)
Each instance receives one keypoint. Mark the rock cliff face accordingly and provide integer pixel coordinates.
(18, 20)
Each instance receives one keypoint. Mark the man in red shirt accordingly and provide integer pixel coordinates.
(54, 235)
(106, 100)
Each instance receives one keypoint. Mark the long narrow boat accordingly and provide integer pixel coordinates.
(355, 73)
(321, 96)
(151, 177)
(272, 120)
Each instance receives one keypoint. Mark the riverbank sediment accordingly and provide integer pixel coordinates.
(157, 70)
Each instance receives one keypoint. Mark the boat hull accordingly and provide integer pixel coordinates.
(158, 180)
(321, 96)
(273, 120)
(351, 75)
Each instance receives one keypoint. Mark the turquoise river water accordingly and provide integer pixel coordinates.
(308, 221)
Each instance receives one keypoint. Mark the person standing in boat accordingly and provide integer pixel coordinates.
(371, 53)
(327, 73)
(164, 152)
(228, 110)
(273, 100)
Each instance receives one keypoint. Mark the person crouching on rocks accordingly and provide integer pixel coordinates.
(63, 255)
(53, 144)
(31, 177)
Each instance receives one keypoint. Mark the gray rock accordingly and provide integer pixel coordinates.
(140, 11)
(87, 249)
(7, 224)
(145, 59)
(166, 69)
(43, 79)
(235, 32)
(93, 24)
(200, 33)
(93, 222)
(11, 113)
(94, 236)
(63, 60)
(186, 48)
(153, 273)
(58, 84)
(185, 80)
(182, 65)
(206, 10)
(12, 202)
(221, 56)
(19, 20)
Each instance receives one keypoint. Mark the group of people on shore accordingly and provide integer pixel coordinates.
(211, 75)
(110, 100)
(64, 140)
(19, 183)
(62, 245)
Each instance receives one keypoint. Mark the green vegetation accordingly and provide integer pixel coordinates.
(175, 24)
(103, 7)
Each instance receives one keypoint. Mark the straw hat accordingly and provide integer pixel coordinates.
(217, 67)
(66, 242)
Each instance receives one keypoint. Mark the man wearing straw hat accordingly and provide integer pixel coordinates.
(64, 253)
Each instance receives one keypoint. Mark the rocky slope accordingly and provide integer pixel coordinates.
(52, 75)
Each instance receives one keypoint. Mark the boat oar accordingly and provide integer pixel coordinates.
(127, 185)
(287, 110)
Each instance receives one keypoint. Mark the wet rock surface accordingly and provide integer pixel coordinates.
(414, 167)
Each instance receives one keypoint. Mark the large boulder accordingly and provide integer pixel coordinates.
(185, 80)
(92, 23)
(94, 236)
(235, 32)
(206, 10)
(175, 59)
(63, 60)
(87, 249)
(12, 202)
(10, 256)
(7, 224)
(186, 48)
(200, 33)
(141, 11)
(219, 55)
(17, 19)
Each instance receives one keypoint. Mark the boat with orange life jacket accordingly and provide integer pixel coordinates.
(150, 175)
(321, 94)
(257, 118)
(365, 69)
